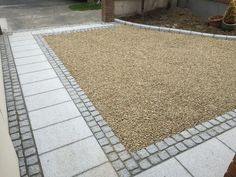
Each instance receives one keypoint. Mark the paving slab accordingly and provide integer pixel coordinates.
(41, 86)
(24, 48)
(73, 159)
(169, 168)
(61, 134)
(37, 76)
(105, 170)
(23, 43)
(30, 52)
(229, 138)
(210, 159)
(20, 38)
(47, 99)
(30, 60)
(53, 114)
(33, 67)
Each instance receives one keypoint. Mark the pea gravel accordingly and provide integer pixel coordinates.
(149, 85)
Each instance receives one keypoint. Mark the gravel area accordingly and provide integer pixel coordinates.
(149, 85)
(179, 18)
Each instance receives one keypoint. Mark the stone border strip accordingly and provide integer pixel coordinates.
(125, 163)
(173, 30)
(18, 119)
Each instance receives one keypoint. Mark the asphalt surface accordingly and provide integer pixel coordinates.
(34, 14)
(36, 2)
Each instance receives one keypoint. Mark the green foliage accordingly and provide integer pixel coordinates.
(85, 6)
(230, 14)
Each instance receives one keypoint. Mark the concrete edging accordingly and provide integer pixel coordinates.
(179, 31)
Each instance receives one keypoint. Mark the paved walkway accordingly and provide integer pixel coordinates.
(66, 145)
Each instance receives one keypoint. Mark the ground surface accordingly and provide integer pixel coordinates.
(177, 18)
(32, 14)
(149, 85)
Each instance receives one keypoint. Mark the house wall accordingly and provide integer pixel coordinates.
(8, 159)
(129, 7)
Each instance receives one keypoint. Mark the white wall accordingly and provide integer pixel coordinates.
(129, 7)
(8, 160)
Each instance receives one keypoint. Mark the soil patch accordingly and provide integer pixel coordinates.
(149, 85)
(179, 18)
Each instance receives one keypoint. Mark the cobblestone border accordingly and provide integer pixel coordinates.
(18, 119)
(125, 163)
(173, 30)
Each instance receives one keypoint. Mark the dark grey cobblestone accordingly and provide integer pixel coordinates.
(124, 163)
(20, 130)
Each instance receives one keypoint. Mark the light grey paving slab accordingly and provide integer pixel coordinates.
(27, 53)
(209, 159)
(169, 168)
(41, 86)
(25, 48)
(73, 159)
(53, 114)
(21, 38)
(33, 67)
(25, 42)
(105, 170)
(61, 134)
(21, 34)
(30, 60)
(37, 76)
(229, 138)
(47, 99)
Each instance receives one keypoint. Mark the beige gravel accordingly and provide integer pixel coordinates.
(149, 85)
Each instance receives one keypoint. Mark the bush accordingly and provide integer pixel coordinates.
(230, 14)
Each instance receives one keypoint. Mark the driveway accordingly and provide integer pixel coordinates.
(31, 14)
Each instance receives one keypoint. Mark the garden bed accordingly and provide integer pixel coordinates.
(179, 18)
(149, 85)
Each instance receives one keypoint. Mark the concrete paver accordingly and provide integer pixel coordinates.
(53, 114)
(30, 60)
(41, 86)
(47, 99)
(104, 170)
(229, 138)
(37, 76)
(170, 168)
(210, 159)
(73, 159)
(33, 67)
(24, 48)
(61, 134)
(31, 52)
